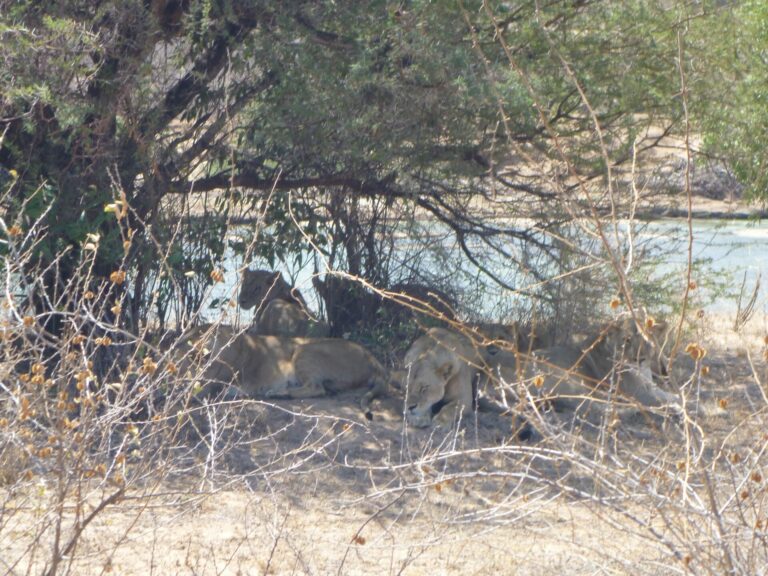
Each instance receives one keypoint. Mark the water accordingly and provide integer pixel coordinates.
(732, 251)
(724, 251)
(733, 246)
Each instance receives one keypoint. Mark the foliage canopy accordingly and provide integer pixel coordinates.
(347, 118)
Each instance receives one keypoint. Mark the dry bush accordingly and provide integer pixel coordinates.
(103, 439)
(91, 415)
(109, 455)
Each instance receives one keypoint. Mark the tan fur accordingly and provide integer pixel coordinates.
(281, 318)
(258, 287)
(588, 383)
(442, 364)
(280, 309)
(275, 366)
(440, 368)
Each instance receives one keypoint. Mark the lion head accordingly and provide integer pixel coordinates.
(260, 286)
(622, 342)
(439, 373)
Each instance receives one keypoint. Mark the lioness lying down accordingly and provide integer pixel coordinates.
(442, 366)
(589, 384)
(280, 309)
(440, 370)
(282, 367)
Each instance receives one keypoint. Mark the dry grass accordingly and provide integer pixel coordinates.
(310, 487)
(109, 462)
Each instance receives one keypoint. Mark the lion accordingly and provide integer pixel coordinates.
(566, 374)
(281, 318)
(443, 366)
(351, 306)
(281, 309)
(282, 367)
(260, 286)
(589, 384)
(404, 299)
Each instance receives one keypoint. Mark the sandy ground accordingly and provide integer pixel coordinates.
(310, 487)
(236, 532)
(312, 523)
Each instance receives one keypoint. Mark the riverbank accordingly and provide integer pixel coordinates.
(703, 208)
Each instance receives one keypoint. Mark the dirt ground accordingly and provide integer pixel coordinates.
(311, 487)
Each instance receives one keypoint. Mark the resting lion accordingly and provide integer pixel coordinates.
(351, 306)
(440, 369)
(280, 309)
(281, 318)
(442, 366)
(281, 367)
(257, 287)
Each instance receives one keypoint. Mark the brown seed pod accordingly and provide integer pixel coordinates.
(217, 275)
(117, 277)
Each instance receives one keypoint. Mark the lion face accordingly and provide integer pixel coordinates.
(623, 341)
(261, 286)
(428, 374)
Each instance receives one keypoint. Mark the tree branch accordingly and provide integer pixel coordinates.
(195, 81)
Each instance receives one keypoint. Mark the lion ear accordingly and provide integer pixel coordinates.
(445, 370)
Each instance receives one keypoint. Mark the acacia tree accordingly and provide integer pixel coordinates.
(730, 87)
(416, 107)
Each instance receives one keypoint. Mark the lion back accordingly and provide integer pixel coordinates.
(337, 365)
(282, 318)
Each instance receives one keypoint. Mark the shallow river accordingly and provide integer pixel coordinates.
(732, 248)
(726, 249)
